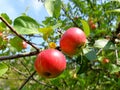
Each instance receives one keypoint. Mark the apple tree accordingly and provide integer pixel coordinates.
(76, 47)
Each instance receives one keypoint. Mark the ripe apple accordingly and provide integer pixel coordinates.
(50, 63)
(72, 40)
(24, 45)
(105, 61)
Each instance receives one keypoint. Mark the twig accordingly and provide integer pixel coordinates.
(45, 84)
(12, 78)
(15, 69)
(24, 83)
(116, 54)
(19, 35)
(99, 51)
(25, 67)
(63, 8)
(3, 58)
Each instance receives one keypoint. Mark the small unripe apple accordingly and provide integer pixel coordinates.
(1, 34)
(105, 61)
(50, 63)
(24, 45)
(72, 40)
(93, 26)
(90, 22)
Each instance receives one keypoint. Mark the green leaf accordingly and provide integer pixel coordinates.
(109, 45)
(90, 54)
(85, 27)
(46, 32)
(3, 68)
(114, 68)
(57, 25)
(6, 17)
(26, 25)
(100, 43)
(16, 42)
(57, 8)
(116, 0)
(83, 61)
(53, 7)
(49, 5)
(115, 10)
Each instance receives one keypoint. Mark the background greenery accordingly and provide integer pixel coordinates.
(86, 70)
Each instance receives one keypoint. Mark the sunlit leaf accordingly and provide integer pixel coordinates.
(101, 43)
(57, 25)
(114, 69)
(49, 5)
(46, 32)
(53, 7)
(85, 27)
(116, 0)
(26, 25)
(3, 68)
(115, 10)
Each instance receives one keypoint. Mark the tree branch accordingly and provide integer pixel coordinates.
(27, 80)
(19, 35)
(3, 58)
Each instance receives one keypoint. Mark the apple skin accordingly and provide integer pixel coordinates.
(50, 63)
(72, 40)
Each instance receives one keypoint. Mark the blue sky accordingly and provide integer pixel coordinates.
(15, 8)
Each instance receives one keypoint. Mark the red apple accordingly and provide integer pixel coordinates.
(24, 45)
(50, 63)
(72, 40)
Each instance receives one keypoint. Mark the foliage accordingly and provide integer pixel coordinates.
(85, 70)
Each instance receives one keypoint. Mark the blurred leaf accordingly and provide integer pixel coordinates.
(100, 43)
(116, 0)
(26, 25)
(108, 45)
(83, 64)
(16, 42)
(90, 54)
(49, 5)
(85, 27)
(53, 7)
(57, 8)
(115, 10)
(114, 68)
(57, 25)
(46, 32)
(3, 68)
